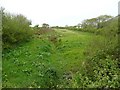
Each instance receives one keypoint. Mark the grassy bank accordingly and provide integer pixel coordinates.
(44, 62)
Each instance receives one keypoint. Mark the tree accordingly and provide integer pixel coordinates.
(101, 19)
(44, 25)
(95, 23)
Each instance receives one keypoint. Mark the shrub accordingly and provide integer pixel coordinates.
(15, 30)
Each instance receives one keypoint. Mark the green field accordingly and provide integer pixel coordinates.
(44, 63)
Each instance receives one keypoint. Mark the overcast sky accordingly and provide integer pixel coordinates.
(60, 12)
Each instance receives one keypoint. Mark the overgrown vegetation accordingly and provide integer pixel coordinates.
(101, 68)
(83, 56)
(15, 30)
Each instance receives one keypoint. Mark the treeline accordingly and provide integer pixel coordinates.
(95, 25)
(15, 30)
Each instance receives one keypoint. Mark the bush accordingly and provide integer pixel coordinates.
(15, 30)
(100, 71)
